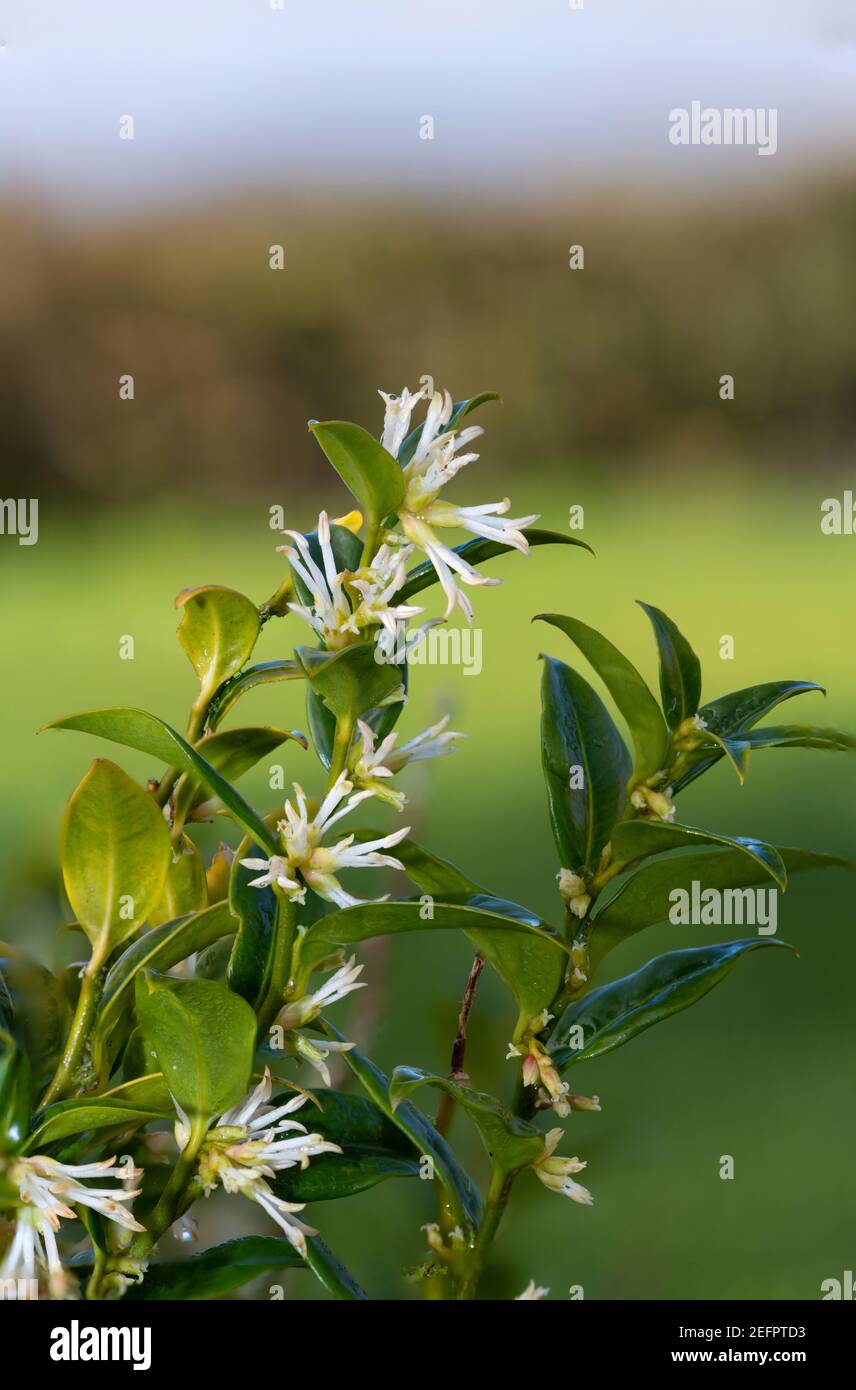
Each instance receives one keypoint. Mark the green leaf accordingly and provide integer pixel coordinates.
(135, 1103)
(637, 839)
(232, 752)
(215, 1272)
(612, 1015)
(680, 670)
(628, 690)
(159, 949)
(33, 1010)
(115, 855)
(185, 888)
(642, 899)
(511, 1142)
(742, 709)
(801, 736)
(374, 1149)
(329, 1270)
(134, 728)
(578, 732)
(256, 911)
(531, 966)
(349, 684)
(254, 676)
(365, 467)
(459, 411)
(218, 631)
(203, 1037)
(732, 715)
(349, 681)
(464, 1199)
(479, 913)
(477, 552)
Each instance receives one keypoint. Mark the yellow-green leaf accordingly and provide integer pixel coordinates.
(218, 631)
(115, 854)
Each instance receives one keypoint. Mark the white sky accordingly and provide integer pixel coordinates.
(230, 93)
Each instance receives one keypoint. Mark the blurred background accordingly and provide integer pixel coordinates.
(257, 126)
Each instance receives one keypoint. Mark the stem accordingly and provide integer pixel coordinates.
(195, 725)
(169, 1205)
(81, 1026)
(280, 967)
(341, 746)
(446, 1108)
(497, 1197)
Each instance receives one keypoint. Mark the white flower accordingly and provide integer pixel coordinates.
(531, 1292)
(376, 763)
(341, 983)
(396, 424)
(49, 1192)
(555, 1173)
(330, 614)
(251, 1142)
(318, 864)
(315, 1051)
(435, 461)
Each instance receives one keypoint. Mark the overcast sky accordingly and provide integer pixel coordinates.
(231, 93)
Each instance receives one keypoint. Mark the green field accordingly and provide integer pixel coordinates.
(761, 1070)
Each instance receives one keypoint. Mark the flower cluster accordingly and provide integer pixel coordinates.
(306, 862)
(435, 461)
(49, 1191)
(253, 1142)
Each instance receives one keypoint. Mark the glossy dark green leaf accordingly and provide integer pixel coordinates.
(16, 1099)
(218, 631)
(365, 467)
(264, 674)
(801, 736)
(477, 552)
(159, 949)
(512, 1143)
(330, 1272)
(216, 1272)
(637, 839)
(373, 1149)
(732, 715)
(203, 1037)
(463, 1195)
(628, 690)
(680, 669)
(256, 912)
(134, 728)
(611, 1016)
(33, 1009)
(459, 412)
(232, 752)
(134, 1103)
(742, 709)
(479, 913)
(578, 733)
(115, 854)
(642, 899)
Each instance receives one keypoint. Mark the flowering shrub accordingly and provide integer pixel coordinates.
(168, 1071)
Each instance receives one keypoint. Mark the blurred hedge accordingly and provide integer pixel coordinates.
(230, 358)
